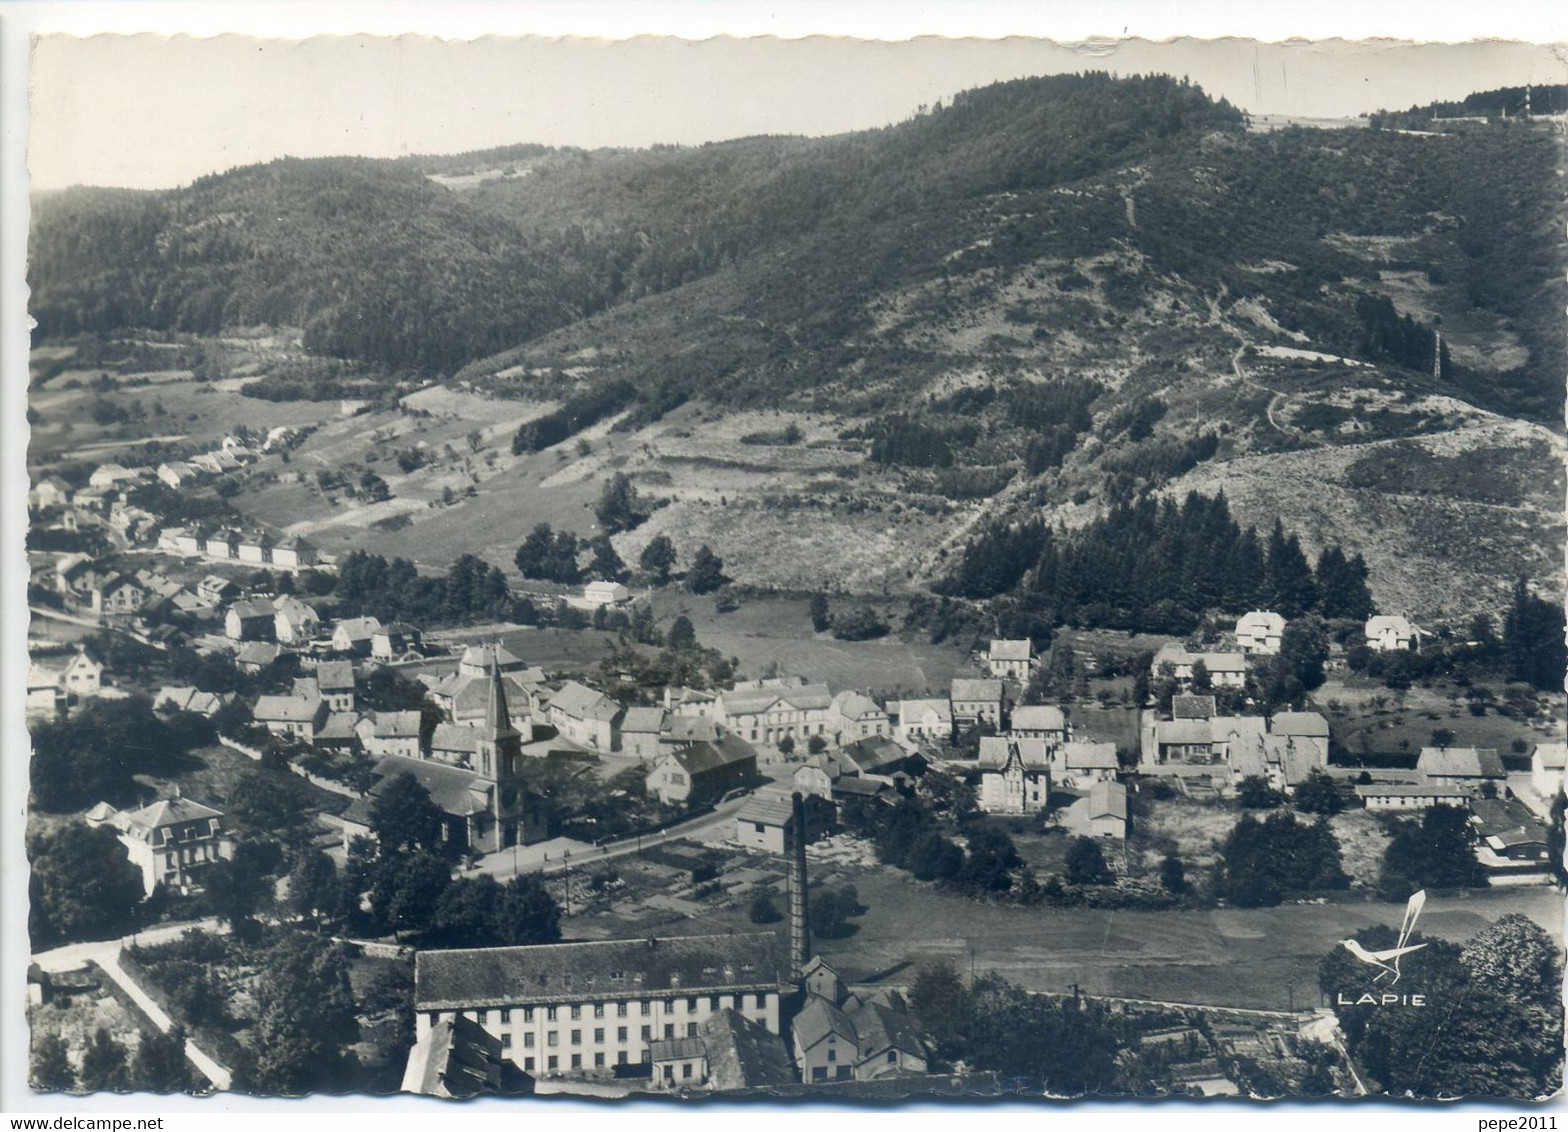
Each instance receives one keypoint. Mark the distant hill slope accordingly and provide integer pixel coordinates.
(1046, 296)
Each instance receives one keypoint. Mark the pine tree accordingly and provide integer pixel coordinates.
(706, 573)
(607, 564)
(1288, 578)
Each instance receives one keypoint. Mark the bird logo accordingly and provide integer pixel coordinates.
(1388, 960)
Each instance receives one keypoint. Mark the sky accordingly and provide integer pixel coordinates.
(151, 111)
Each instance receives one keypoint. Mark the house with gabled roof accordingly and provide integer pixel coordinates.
(728, 1053)
(294, 622)
(1010, 660)
(47, 492)
(1391, 633)
(174, 698)
(297, 716)
(294, 553)
(978, 701)
(641, 728)
(1477, 770)
(1083, 762)
(397, 640)
(842, 1036)
(250, 621)
(118, 594)
(702, 772)
(853, 716)
(1038, 721)
(1260, 631)
(1014, 782)
(929, 720)
(1108, 810)
(335, 680)
(587, 716)
(457, 1059)
(1305, 728)
(766, 822)
(352, 635)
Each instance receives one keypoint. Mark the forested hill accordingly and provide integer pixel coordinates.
(828, 262)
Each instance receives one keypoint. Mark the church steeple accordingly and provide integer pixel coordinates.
(498, 719)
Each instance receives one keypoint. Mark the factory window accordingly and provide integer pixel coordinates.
(669, 1031)
(506, 1016)
(506, 1041)
(528, 1064)
(554, 1063)
(577, 1037)
(528, 1041)
(598, 1010)
(691, 1005)
(598, 1035)
(528, 1014)
(620, 1058)
(549, 1014)
(577, 1061)
(691, 1029)
(577, 1012)
(598, 1061)
(620, 1033)
(647, 1033)
(551, 1039)
(686, 1069)
(620, 1010)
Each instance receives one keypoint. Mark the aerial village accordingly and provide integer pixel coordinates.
(699, 843)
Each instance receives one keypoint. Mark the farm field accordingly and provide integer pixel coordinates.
(1230, 956)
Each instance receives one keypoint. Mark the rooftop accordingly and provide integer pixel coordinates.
(598, 969)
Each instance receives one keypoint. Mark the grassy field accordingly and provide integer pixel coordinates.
(1367, 717)
(777, 631)
(1238, 957)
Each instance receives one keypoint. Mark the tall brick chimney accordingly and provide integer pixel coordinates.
(799, 928)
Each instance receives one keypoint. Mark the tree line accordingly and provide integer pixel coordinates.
(1155, 566)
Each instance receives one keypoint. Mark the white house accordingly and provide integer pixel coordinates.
(1391, 634)
(1010, 660)
(353, 635)
(606, 593)
(1017, 782)
(1260, 632)
(852, 716)
(171, 841)
(1108, 810)
(1411, 796)
(1546, 769)
(293, 621)
(924, 719)
(293, 553)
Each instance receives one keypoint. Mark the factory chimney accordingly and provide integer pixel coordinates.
(799, 929)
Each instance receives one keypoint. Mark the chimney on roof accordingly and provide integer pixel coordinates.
(799, 932)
